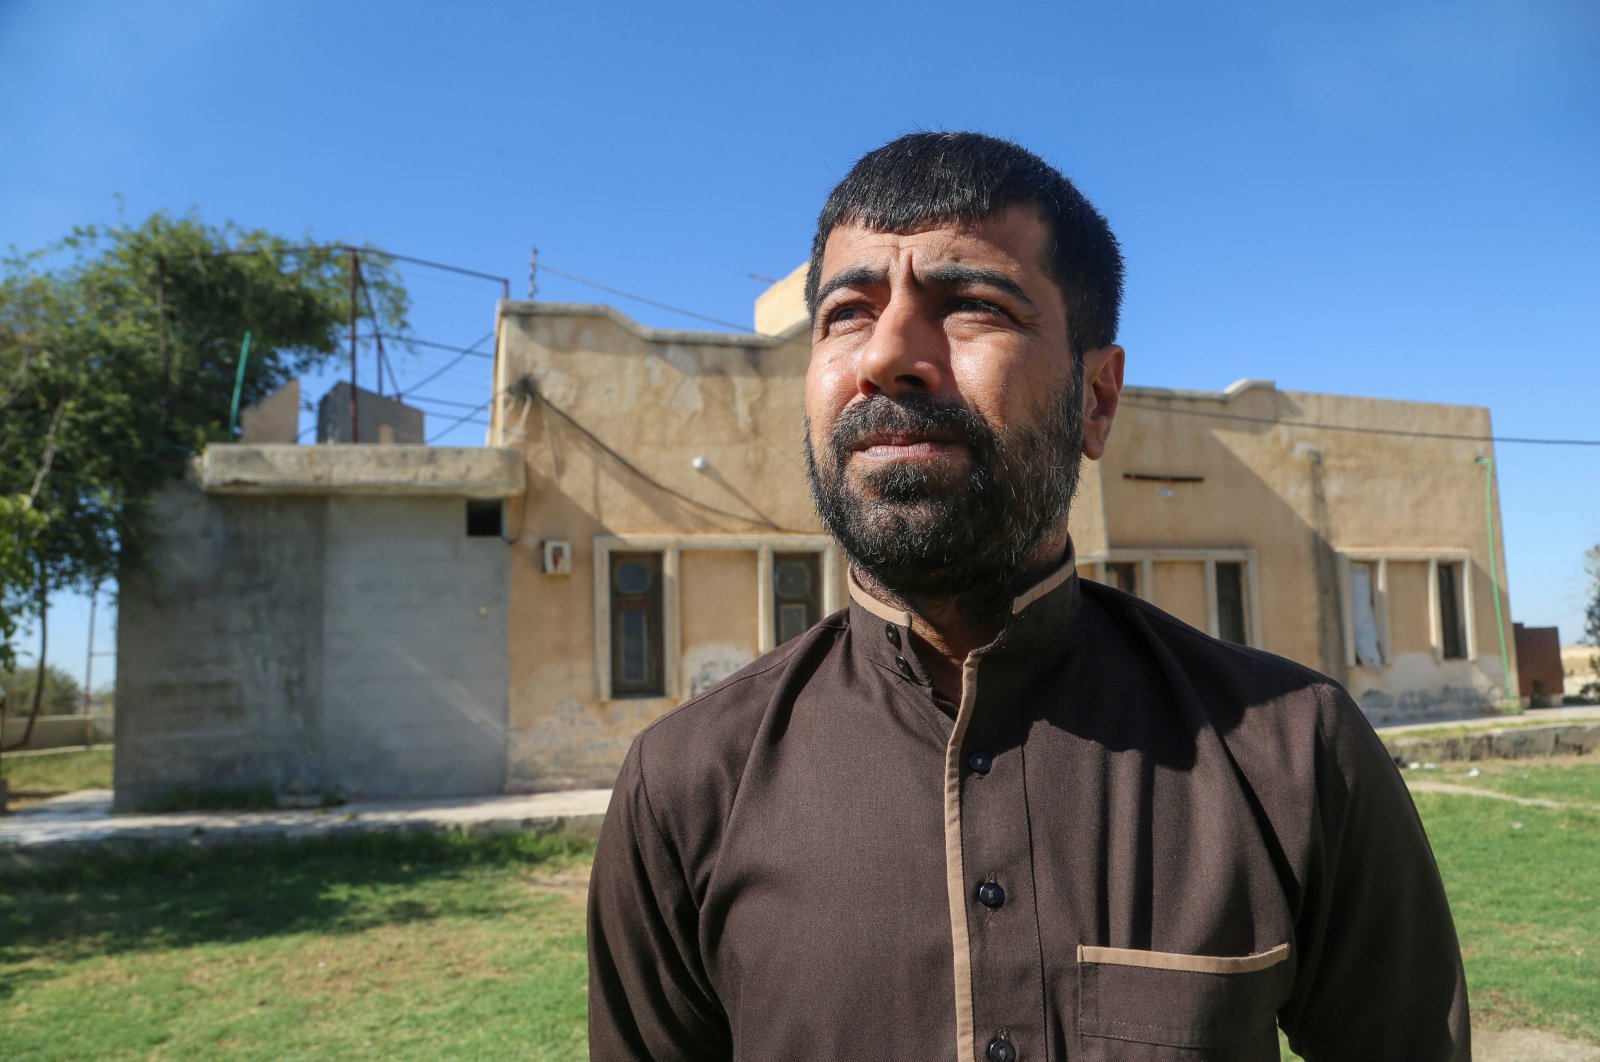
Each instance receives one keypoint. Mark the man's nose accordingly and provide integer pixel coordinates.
(907, 351)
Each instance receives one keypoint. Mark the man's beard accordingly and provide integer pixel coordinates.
(965, 540)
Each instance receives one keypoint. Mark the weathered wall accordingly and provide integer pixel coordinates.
(274, 419)
(622, 413)
(379, 418)
(413, 648)
(218, 661)
(58, 731)
(657, 400)
(312, 644)
(1539, 664)
(1265, 477)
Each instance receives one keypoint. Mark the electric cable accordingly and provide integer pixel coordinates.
(636, 470)
(440, 401)
(464, 418)
(1363, 429)
(647, 301)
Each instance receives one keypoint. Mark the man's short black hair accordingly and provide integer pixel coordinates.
(967, 177)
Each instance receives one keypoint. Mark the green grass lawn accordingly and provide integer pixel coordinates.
(390, 947)
(1524, 886)
(39, 777)
(421, 946)
(1568, 779)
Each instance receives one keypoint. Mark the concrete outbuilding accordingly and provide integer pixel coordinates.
(319, 621)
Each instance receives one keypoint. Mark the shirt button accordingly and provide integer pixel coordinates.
(905, 668)
(891, 632)
(1000, 1050)
(980, 762)
(990, 894)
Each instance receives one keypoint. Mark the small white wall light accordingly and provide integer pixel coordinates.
(700, 464)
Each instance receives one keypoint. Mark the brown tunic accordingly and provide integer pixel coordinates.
(1131, 841)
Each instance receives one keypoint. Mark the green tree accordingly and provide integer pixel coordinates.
(62, 693)
(119, 353)
(1591, 622)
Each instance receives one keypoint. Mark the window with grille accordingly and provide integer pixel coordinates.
(1232, 622)
(637, 642)
(796, 594)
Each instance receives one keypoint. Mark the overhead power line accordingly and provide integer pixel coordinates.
(464, 418)
(642, 474)
(647, 301)
(453, 362)
(443, 402)
(1363, 429)
(431, 345)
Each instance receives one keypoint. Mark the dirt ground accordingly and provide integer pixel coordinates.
(1529, 1045)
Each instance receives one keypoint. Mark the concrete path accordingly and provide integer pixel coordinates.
(1420, 785)
(1532, 717)
(83, 821)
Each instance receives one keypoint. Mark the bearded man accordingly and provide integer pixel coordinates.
(991, 811)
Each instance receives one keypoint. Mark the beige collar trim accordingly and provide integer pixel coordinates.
(1047, 584)
(901, 618)
(860, 595)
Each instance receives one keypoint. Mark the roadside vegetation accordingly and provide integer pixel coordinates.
(41, 776)
(385, 946)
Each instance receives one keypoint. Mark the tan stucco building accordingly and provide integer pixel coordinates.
(665, 475)
(639, 528)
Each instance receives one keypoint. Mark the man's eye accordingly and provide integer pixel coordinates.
(844, 315)
(972, 305)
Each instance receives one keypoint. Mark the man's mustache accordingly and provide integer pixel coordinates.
(914, 414)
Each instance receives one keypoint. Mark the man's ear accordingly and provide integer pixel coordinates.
(1102, 387)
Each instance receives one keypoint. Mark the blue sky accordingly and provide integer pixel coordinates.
(1392, 199)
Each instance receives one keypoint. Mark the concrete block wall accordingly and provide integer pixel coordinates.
(345, 644)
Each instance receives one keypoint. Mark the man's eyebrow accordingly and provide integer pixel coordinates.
(858, 277)
(960, 276)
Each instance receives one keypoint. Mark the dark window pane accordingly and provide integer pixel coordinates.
(1455, 642)
(635, 653)
(1230, 602)
(792, 621)
(796, 594)
(637, 656)
(485, 518)
(1124, 575)
(633, 577)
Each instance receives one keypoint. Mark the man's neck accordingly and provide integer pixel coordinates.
(949, 629)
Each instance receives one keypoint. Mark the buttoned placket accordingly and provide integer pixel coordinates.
(999, 968)
(1007, 974)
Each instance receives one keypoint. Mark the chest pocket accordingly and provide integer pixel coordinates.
(1221, 1008)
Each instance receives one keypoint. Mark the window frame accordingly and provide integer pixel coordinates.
(672, 548)
(1095, 568)
(1380, 559)
(654, 599)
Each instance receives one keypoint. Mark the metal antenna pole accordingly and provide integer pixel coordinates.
(533, 274)
(355, 426)
(88, 663)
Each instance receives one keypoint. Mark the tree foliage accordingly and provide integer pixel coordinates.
(119, 349)
(1591, 615)
(62, 693)
(1591, 622)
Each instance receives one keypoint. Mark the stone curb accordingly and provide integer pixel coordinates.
(1562, 739)
(81, 827)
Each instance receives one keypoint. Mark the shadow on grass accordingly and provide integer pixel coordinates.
(175, 898)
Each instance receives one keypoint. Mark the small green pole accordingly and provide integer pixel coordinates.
(238, 386)
(1494, 569)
